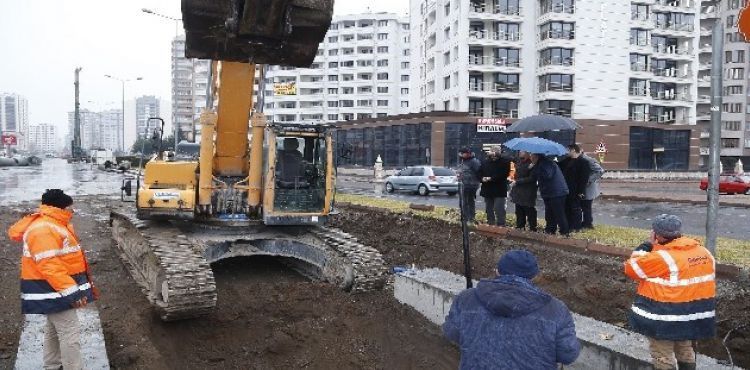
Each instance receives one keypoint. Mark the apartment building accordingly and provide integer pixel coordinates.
(189, 82)
(146, 107)
(42, 138)
(735, 128)
(362, 70)
(14, 118)
(606, 60)
(99, 130)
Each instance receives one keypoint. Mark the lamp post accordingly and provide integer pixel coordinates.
(175, 126)
(122, 128)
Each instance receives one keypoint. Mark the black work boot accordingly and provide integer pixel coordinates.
(686, 366)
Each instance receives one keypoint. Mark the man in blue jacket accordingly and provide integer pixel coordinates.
(509, 323)
(554, 191)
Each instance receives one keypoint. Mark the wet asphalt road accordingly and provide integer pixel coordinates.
(733, 222)
(19, 184)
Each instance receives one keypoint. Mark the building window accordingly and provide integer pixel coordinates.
(333, 78)
(732, 90)
(382, 76)
(447, 82)
(557, 30)
(639, 12)
(382, 36)
(333, 39)
(404, 104)
(383, 63)
(731, 21)
(333, 117)
(404, 78)
(406, 52)
(732, 107)
(382, 103)
(506, 82)
(638, 87)
(364, 36)
(404, 91)
(731, 126)
(382, 89)
(556, 82)
(333, 91)
(347, 103)
(364, 90)
(505, 108)
(639, 62)
(347, 90)
(735, 73)
(347, 63)
(382, 49)
(333, 64)
(638, 112)
(383, 23)
(638, 37)
(556, 107)
(476, 107)
(364, 63)
(447, 8)
(333, 104)
(730, 143)
(404, 65)
(364, 103)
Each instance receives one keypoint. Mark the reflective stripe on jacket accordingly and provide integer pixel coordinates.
(676, 291)
(54, 272)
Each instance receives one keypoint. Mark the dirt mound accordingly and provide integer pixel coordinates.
(590, 285)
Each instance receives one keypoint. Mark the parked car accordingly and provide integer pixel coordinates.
(731, 184)
(423, 180)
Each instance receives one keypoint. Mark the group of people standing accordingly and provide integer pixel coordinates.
(568, 188)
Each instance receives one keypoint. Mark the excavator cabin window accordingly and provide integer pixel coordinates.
(300, 174)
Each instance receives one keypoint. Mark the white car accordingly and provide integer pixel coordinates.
(423, 180)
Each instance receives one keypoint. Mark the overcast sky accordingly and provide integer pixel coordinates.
(42, 41)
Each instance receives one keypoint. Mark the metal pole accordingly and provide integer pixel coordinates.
(76, 144)
(714, 155)
(465, 234)
(122, 129)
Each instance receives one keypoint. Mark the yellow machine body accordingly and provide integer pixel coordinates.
(167, 190)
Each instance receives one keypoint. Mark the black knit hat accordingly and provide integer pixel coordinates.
(56, 198)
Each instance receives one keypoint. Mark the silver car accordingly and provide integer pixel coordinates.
(423, 180)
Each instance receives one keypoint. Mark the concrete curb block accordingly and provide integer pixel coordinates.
(94, 353)
(604, 346)
(634, 198)
(422, 207)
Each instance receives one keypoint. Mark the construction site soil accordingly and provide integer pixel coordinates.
(270, 317)
(591, 285)
(267, 317)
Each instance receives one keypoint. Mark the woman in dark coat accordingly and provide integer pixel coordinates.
(523, 193)
(494, 173)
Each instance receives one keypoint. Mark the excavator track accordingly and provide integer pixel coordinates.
(172, 265)
(176, 278)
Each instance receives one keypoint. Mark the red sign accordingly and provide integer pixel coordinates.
(9, 139)
(492, 121)
(743, 22)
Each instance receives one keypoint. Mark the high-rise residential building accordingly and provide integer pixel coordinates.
(735, 128)
(189, 82)
(362, 70)
(605, 60)
(146, 107)
(14, 118)
(42, 138)
(99, 130)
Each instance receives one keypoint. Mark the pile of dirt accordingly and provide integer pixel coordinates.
(591, 285)
(11, 320)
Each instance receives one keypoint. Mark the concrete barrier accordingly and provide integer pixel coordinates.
(94, 353)
(604, 346)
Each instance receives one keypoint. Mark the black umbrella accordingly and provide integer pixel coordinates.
(543, 123)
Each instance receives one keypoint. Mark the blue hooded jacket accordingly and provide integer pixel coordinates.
(508, 323)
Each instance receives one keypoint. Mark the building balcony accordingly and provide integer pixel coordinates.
(672, 52)
(638, 92)
(673, 6)
(704, 99)
(495, 38)
(674, 29)
(493, 113)
(486, 11)
(493, 87)
(640, 67)
(670, 95)
(638, 117)
(557, 112)
(556, 61)
(556, 35)
(709, 12)
(672, 73)
(704, 81)
(641, 47)
(642, 21)
(492, 62)
(705, 32)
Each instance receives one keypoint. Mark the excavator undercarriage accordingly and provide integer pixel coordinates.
(256, 188)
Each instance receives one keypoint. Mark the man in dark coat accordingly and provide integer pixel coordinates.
(494, 172)
(469, 176)
(576, 172)
(523, 193)
(509, 323)
(554, 190)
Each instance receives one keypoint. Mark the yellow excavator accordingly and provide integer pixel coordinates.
(256, 188)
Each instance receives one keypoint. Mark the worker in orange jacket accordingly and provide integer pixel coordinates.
(676, 299)
(55, 278)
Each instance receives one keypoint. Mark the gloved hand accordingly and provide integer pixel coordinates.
(645, 247)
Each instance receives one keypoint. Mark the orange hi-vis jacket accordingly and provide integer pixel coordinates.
(54, 271)
(676, 297)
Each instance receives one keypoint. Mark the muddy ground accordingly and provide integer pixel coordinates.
(267, 317)
(590, 285)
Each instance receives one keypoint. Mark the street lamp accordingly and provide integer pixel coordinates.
(122, 128)
(175, 126)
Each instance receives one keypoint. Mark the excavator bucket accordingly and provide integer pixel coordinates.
(279, 32)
